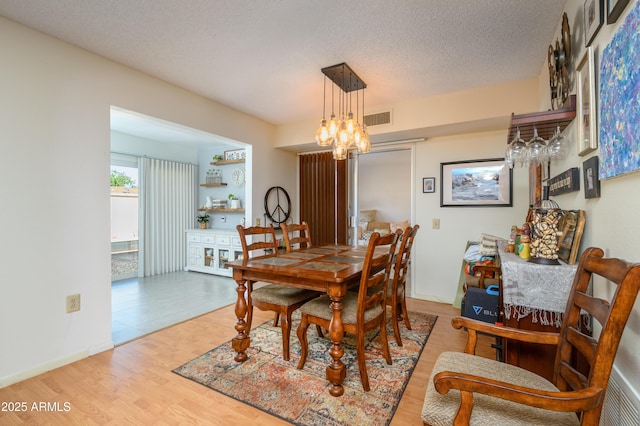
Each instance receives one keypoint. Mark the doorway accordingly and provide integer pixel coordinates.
(124, 217)
(382, 180)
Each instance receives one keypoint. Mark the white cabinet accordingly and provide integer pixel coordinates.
(208, 250)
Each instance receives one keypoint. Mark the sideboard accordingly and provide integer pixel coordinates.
(208, 250)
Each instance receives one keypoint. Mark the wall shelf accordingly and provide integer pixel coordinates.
(213, 184)
(545, 122)
(223, 162)
(221, 210)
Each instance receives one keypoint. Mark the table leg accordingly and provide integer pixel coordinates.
(240, 343)
(336, 372)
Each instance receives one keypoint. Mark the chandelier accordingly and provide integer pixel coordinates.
(343, 132)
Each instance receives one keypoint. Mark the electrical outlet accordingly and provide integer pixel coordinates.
(436, 224)
(257, 221)
(73, 303)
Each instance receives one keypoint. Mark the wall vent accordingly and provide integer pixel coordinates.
(377, 118)
(620, 404)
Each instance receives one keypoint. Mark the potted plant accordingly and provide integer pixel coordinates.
(217, 157)
(203, 219)
(234, 202)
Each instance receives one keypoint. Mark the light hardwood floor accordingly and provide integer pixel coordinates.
(133, 383)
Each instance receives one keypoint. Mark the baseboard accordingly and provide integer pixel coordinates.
(431, 298)
(52, 365)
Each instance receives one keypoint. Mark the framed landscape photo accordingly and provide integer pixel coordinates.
(586, 104)
(593, 19)
(476, 183)
(429, 184)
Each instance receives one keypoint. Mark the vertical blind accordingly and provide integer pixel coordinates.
(323, 197)
(168, 199)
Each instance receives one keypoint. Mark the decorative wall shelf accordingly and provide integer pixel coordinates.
(213, 184)
(545, 122)
(223, 162)
(221, 210)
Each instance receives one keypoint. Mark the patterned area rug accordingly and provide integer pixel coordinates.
(302, 397)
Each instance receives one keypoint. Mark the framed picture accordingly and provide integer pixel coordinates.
(429, 184)
(593, 19)
(586, 104)
(591, 179)
(476, 183)
(235, 154)
(614, 10)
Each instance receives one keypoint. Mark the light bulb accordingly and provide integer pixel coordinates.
(339, 152)
(351, 124)
(333, 126)
(323, 137)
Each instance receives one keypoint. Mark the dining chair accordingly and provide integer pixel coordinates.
(396, 289)
(296, 235)
(281, 299)
(361, 311)
(468, 389)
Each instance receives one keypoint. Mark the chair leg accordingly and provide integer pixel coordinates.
(362, 365)
(319, 331)
(304, 343)
(285, 324)
(276, 317)
(395, 320)
(249, 317)
(405, 314)
(384, 340)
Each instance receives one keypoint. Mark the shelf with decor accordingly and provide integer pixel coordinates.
(213, 184)
(545, 122)
(221, 210)
(223, 162)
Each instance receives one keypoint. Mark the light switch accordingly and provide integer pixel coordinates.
(436, 224)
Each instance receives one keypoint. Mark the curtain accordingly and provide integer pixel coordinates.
(323, 197)
(168, 199)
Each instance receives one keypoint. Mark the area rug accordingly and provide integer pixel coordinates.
(267, 382)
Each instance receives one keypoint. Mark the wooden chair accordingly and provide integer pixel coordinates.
(291, 240)
(396, 288)
(466, 389)
(283, 300)
(360, 311)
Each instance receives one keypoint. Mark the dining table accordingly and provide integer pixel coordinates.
(329, 268)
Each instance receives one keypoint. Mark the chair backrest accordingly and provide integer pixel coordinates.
(296, 235)
(612, 315)
(268, 244)
(401, 265)
(375, 271)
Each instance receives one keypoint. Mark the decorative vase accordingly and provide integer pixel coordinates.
(209, 202)
(203, 225)
(235, 204)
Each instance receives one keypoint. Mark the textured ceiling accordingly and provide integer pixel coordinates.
(263, 57)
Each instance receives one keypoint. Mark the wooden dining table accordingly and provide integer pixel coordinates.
(330, 269)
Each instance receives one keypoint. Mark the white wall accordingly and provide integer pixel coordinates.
(55, 133)
(611, 220)
(438, 252)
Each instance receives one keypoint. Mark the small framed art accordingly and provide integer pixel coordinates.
(593, 19)
(235, 155)
(614, 10)
(586, 104)
(429, 184)
(591, 179)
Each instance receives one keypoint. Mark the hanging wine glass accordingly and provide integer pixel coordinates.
(516, 153)
(537, 149)
(557, 148)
